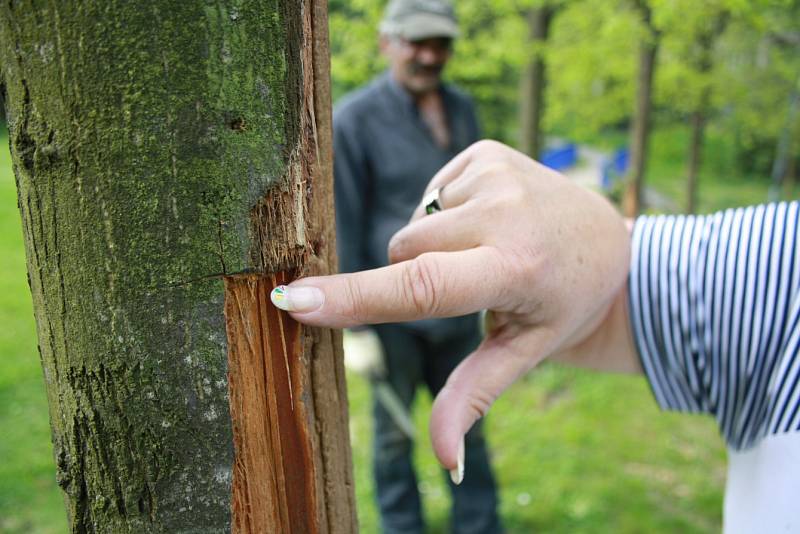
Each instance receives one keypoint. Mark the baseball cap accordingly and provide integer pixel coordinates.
(420, 19)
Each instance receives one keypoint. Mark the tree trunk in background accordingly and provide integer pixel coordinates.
(640, 127)
(173, 162)
(698, 121)
(534, 83)
(783, 152)
(703, 64)
(698, 118)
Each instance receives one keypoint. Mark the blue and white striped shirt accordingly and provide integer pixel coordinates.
(715, 311)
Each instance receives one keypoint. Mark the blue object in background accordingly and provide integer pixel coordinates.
(615, 167)
(561, 157)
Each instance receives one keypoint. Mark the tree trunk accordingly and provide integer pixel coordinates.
(698, 117)
(698, 121)
(783, 151)
(703, 63)
(173, 163)
(640, 127)
(534, 83)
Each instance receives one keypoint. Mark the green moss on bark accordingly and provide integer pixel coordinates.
(142, 136)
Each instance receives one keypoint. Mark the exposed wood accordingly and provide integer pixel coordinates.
(335, 479)
(272, 479)
(288, 397)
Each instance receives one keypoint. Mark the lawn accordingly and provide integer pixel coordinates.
(573, 451)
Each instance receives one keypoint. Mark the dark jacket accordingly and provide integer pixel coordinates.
(384, 157)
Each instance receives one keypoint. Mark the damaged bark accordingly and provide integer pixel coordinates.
(173, 163)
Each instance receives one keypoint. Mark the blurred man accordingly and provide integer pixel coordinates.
(390, 138)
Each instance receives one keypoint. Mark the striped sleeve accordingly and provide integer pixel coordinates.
(715, 315)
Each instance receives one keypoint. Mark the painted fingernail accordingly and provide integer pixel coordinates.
(457, 474)
(297, 299)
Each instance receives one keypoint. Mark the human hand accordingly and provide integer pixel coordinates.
(546, 257)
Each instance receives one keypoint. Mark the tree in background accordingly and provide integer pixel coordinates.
(701, 62)
(487, 63)
(533, 79)
(686, 72)
(781, 167)
(783, 159)
(355, 57)
(173, 164)
(648, 37)
(756, 74)
(590, 81)
(735, 84)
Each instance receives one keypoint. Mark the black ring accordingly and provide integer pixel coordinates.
(431, 202)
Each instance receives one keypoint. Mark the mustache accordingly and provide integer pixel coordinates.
(419, 68)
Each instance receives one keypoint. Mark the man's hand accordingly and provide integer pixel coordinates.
(546, 257)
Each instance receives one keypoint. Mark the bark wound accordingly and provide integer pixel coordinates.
(279, 222)
(273, 479)
(292, 472)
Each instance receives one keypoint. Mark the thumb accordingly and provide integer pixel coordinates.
(470, 391)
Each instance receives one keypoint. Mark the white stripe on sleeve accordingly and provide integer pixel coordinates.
(715, 314)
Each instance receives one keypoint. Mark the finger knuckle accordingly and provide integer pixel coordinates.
(479, 402)
(518, 269)
(354, 300)
(421, 285)
(485, 144)
(398, 248)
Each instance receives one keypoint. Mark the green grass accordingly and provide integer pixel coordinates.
(573, 451)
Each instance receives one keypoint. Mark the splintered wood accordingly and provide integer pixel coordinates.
(273, 480)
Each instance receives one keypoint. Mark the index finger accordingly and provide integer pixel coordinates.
(435, 284)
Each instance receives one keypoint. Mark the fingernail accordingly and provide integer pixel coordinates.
(457, 474)
(297, 299)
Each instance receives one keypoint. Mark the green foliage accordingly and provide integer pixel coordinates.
(591, 57)
(738, 58)
(756, 82)
(685, 70)
(754, 61)
(355, 57)
(488, 67)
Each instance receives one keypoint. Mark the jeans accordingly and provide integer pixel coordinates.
(411, 360)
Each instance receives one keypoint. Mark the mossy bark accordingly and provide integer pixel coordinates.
(161, 148)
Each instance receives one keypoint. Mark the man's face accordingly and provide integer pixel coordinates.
(417, 65)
